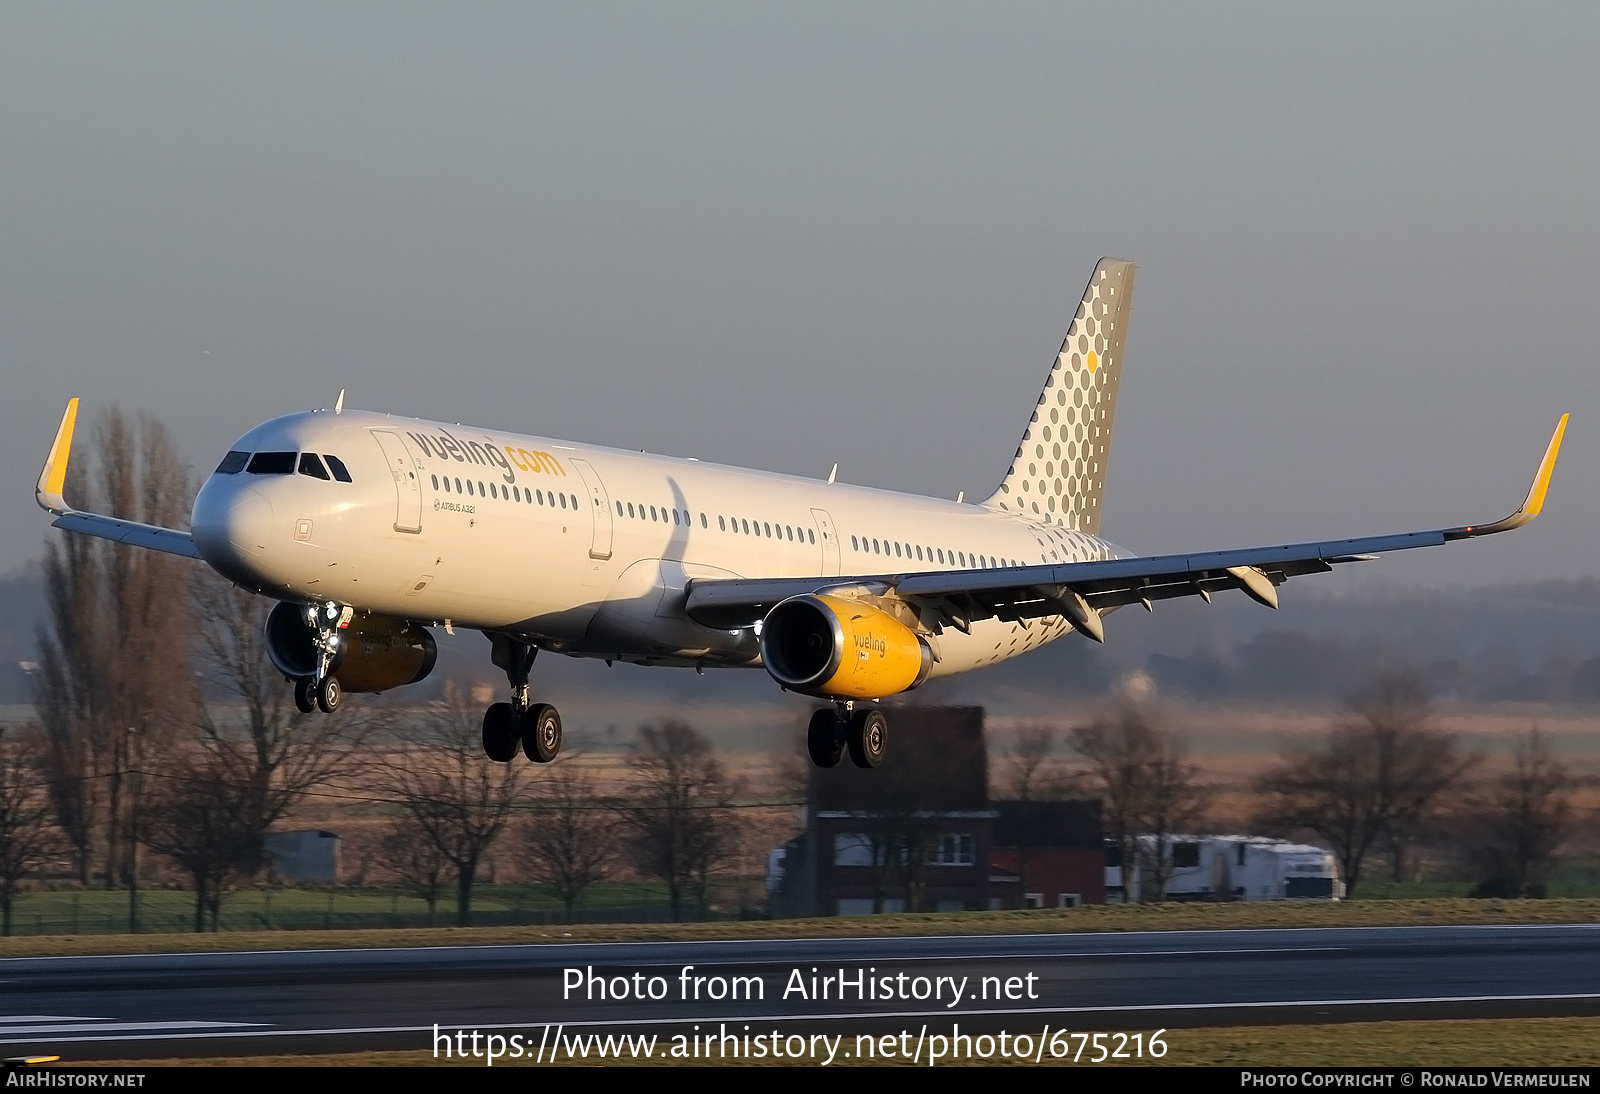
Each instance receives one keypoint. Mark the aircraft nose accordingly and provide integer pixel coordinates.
(231, 524)
(249, 520)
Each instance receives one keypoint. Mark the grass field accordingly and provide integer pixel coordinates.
(1148, 917)
(105, 911)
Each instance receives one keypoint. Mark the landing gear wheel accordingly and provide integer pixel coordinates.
(499, 733)
(328, 692)
(822, 738)
(868, 738)
(305, 700)
(541, 733)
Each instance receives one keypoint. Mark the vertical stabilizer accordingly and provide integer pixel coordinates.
(1060, 469)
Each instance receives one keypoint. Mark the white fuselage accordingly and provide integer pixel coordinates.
(581, 549)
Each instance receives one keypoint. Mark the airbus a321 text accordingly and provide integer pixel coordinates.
(369, 529)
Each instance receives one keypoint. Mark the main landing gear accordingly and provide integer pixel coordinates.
(321, 691)
(864, 731)
(521, 723)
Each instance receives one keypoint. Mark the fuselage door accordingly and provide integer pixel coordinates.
(599, 509)
(829, 541)
(408, 488)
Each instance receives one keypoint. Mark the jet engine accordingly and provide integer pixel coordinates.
(841, 649)
(376, 652)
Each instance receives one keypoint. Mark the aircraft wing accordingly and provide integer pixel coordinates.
(1082, 591)
(48, 493)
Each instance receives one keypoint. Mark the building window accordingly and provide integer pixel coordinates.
(852, 849)
(954, 849)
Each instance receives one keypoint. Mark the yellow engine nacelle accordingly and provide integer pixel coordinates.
(841, 649)
(376, 652)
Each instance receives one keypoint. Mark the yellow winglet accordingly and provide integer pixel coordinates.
(1541, 482)
(1532, 504)
(53, 479)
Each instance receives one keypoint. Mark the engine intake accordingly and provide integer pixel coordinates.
(376, 652)
(841, 649)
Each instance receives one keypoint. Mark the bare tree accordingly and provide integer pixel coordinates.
(1144, 771)
(1379, 773)
(457, 797)
(1175, 800)
(115, 659)
(1147, 788)
(570, 842)
(208, 823)
(1030, 754)
(26, 836)
(416, 861)
(1523, 819)
(678, 815)
(284, 753)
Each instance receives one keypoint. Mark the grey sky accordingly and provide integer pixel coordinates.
(784, 235)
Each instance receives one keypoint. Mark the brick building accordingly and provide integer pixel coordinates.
(919, 833)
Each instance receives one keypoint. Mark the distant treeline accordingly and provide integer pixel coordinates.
(1531, 642)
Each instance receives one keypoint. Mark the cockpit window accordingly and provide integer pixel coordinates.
(233, 463)
(310, 465)
(337, 465)
(272, 463)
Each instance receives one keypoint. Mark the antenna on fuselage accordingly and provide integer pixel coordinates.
(961, 496)
(833, 474)
(338, 404)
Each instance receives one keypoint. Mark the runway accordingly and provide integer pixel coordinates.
(154, 1006)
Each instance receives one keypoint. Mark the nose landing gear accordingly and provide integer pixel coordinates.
(535, 727)
(321, 691)
(863, 732)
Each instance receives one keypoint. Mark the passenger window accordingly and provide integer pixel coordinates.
(704, 523)
(563, 501)
(722, 524)
(896, 550)
(746, 526)
(674, 516)
(337, 466)
(233, 463)
(458, 486)
(811, 536)
(272, 463)
(436, 482)
(469, 486)
(768, 529)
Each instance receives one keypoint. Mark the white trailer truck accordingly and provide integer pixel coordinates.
(1227, 868)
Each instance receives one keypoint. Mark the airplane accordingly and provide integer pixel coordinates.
(368, 529)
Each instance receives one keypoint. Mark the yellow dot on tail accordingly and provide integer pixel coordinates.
(1092, 361)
